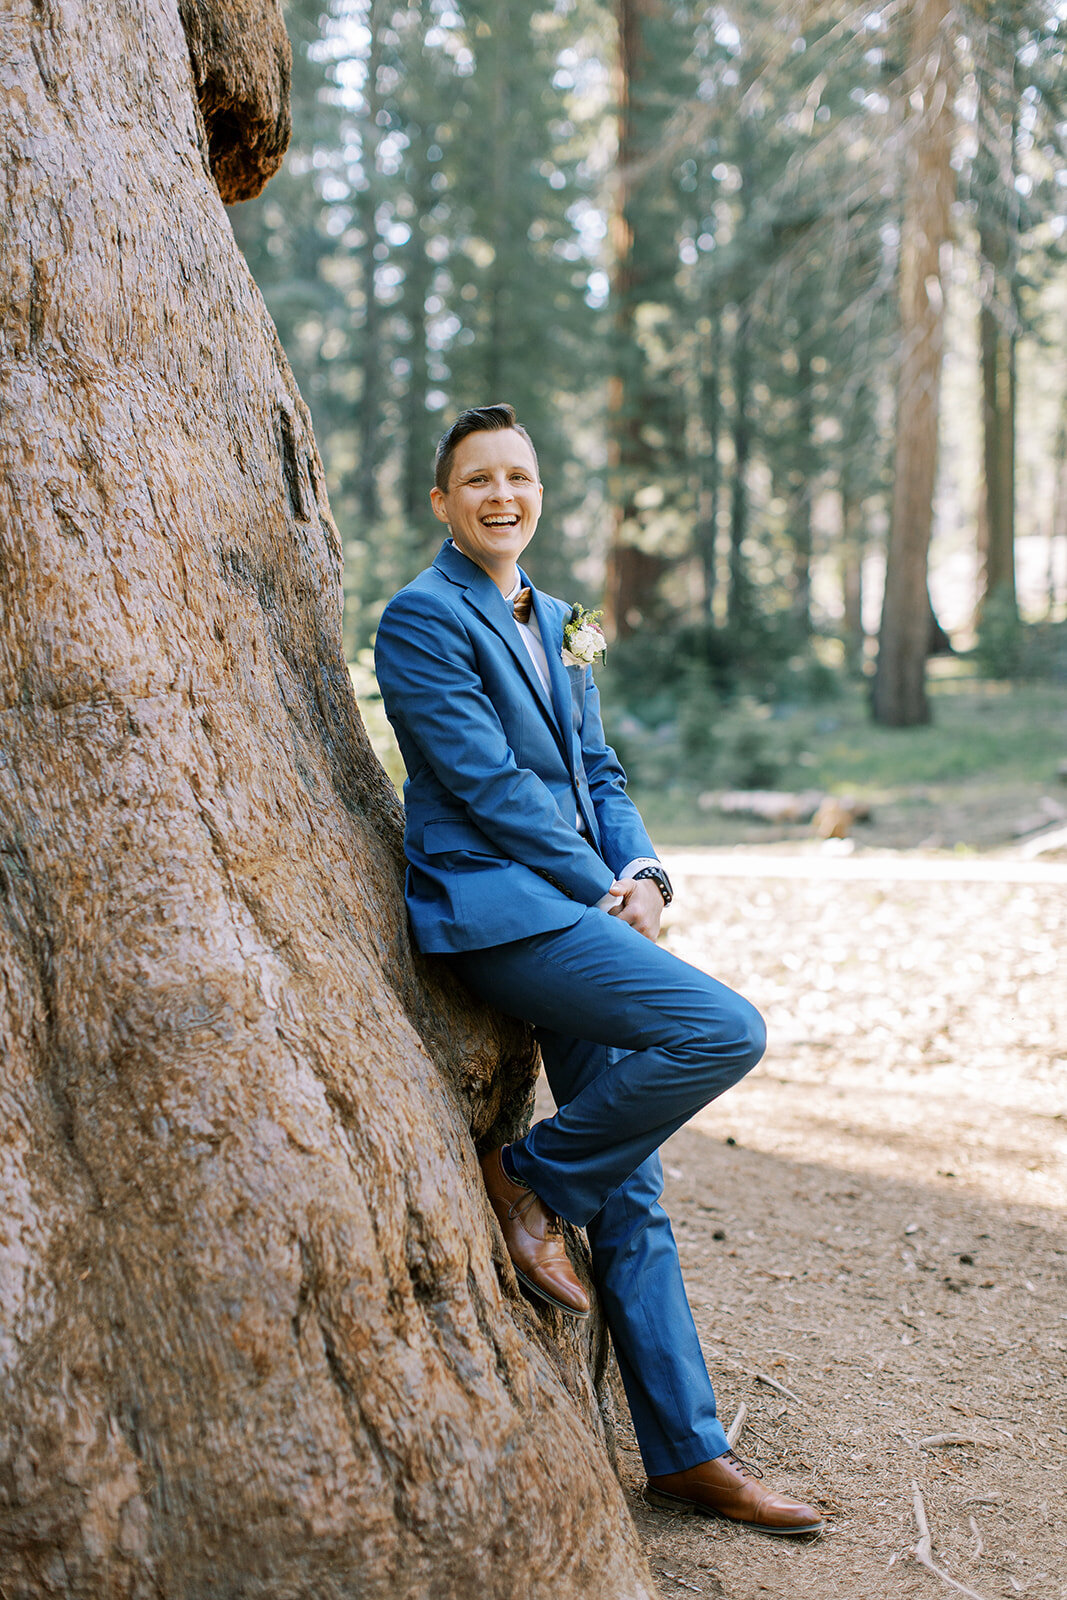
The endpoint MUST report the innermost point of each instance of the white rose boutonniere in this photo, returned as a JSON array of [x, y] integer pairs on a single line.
[[583, 638]]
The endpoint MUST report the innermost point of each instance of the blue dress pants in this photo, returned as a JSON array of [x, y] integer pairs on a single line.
[[635, 1042]]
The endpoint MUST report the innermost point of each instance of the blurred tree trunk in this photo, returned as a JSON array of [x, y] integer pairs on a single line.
[[852, 551], [418, 432], [739, 595], [1057, 525], [801, 482], [998, 201], [502, 61], [369, 414], [640, 432], [257, 1337], [899, 698], [710, 470], [997, 511]]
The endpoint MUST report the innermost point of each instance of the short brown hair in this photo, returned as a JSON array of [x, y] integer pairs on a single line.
[[478, 419]]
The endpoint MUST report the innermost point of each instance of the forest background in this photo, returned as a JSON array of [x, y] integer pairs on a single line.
[[777, 289]]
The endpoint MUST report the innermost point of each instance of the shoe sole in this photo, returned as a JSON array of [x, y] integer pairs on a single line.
[[671, 1502], [542, 1294]]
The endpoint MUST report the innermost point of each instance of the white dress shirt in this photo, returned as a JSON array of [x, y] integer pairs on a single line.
[[531, 638]]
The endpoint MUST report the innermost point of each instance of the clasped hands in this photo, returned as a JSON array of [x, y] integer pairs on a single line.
[[639, 903]]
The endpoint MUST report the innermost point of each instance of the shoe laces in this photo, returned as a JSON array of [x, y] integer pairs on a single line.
[[744, 1466], [519, 1208]]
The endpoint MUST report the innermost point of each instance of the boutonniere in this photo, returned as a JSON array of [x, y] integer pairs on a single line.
[[583, 638]]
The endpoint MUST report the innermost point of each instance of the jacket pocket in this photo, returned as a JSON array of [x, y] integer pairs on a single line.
[[445, 834]]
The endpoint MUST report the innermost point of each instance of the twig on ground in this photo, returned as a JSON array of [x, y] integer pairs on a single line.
[[923, 1551], [779, 1388], [733, 1432], [763, 1439], [673, 1576], [979, 1544], [934, 1440], [925, 1545]]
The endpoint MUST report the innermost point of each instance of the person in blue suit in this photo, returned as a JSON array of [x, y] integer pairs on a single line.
[[530, 870]]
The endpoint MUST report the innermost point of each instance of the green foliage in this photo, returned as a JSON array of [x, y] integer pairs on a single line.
[[451, 215], [1009, 648], [981, 730], [763, 655], [1001, 747], [751, 760], [715, 706], [999, 651]]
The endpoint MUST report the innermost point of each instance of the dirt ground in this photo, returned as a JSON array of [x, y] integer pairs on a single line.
[[872, 1225]]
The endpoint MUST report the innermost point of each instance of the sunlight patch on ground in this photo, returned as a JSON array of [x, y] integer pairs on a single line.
[[915, 1021]]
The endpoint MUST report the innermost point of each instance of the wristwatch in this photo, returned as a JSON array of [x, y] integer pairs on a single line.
[[660, 879]]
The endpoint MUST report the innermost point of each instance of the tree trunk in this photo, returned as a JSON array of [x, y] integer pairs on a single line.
[[998, 324], [852, 552], [417, 448], [369, 412], [633, 571], [899, 698], [739, 594], [802, 486], [1057, 525], [707, 530], [257, 1334], [996, 523]]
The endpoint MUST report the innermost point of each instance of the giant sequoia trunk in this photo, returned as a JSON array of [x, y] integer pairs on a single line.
[[256, 1337]]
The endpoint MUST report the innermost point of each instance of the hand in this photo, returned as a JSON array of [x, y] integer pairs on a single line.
[[639, 903]]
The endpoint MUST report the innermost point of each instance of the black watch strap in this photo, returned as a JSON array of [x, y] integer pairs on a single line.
[[660, 879]]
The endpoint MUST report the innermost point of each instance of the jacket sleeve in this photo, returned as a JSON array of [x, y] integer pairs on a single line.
[[623, 835], [427, 672]]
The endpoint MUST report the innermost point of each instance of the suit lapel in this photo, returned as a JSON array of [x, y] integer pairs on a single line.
[[557, 672], [482, 593], [497, 613], [552, 639]]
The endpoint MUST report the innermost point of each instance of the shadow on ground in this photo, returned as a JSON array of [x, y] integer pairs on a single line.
[[896, 1312]]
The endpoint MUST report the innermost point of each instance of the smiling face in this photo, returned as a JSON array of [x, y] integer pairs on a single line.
[[492, 502]]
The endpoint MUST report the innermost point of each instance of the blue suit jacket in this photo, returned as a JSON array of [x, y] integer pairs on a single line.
[[497, 770]]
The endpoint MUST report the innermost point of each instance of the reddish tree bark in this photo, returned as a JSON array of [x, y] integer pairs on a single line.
[[899, 697], [258, 1337]]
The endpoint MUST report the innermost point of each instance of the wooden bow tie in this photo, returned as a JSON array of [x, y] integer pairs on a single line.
[[522, 605]]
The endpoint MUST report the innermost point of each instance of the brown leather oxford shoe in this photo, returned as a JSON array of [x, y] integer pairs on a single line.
[[534, 1239], [727, 1487]]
